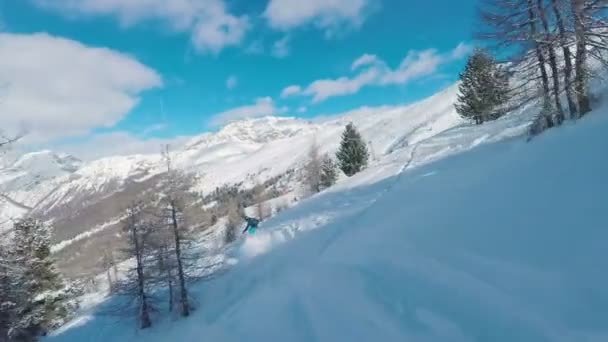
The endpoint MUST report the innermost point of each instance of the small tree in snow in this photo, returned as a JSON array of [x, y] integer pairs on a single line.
[[313, 170], [234, 219], [329, 174], [262, 211], [352, 155], [109, 264]]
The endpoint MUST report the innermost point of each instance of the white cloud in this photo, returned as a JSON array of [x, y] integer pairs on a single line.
[[374, 71], [280, 48], [328, 15], [211, 26], [58, 88], [462, 50], [302, 109], [415, 64], [321, 90], [118, 143], [232, 82], [291, 91], [365, 60], [263, 106]]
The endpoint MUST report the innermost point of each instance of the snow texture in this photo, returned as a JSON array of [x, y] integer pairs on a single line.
[[506, 242]]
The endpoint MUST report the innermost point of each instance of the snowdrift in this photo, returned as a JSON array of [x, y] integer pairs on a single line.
[[506, 242]]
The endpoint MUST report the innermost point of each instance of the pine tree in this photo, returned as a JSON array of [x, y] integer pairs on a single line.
[[484, 89], [352, 155], [9, 291], [329, 176], [40, 297]]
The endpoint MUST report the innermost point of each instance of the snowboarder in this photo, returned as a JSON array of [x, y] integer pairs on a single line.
[[252, 224]]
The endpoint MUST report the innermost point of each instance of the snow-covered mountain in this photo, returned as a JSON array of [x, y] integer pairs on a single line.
[[505, 242], [25, 180], [81, 198]]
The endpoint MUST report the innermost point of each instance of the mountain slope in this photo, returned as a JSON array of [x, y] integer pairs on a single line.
[[26, 179], [491, 245], [85, 205]]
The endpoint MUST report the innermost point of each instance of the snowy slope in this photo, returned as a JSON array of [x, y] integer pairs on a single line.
[[85, 204], [31, 169], [251, 150], [385, 129], [505, 242]]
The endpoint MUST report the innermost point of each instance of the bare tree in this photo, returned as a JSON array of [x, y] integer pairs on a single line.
[[233, 220], [109, 264], [176, 185], [512, 25], [547, 42], [164, 262], [564, 42], [313, 169], [138, 230], [531, 36], [262, 211], [580, 81]]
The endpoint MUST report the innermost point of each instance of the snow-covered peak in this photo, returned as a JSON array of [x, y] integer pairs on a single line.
[[43, 161], [119, 167], [26, 178], [253, 131], [37, 166], [266, 129]]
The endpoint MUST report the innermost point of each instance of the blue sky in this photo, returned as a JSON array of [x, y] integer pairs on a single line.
[[174, 69]]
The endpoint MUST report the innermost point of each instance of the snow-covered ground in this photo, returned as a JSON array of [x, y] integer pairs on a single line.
[[505, 242]]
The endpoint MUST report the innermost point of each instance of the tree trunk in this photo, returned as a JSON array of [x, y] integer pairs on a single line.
[[170, 285], [559, 116], [540, 57], [563, 40], [580, 81], [110, 282], [185, 306], [164, 269], [144, 315]]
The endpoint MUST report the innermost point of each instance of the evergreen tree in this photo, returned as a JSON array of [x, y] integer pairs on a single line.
[[484, 89], [40, 297], [352, 155], [329, 175], [8, 291]]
